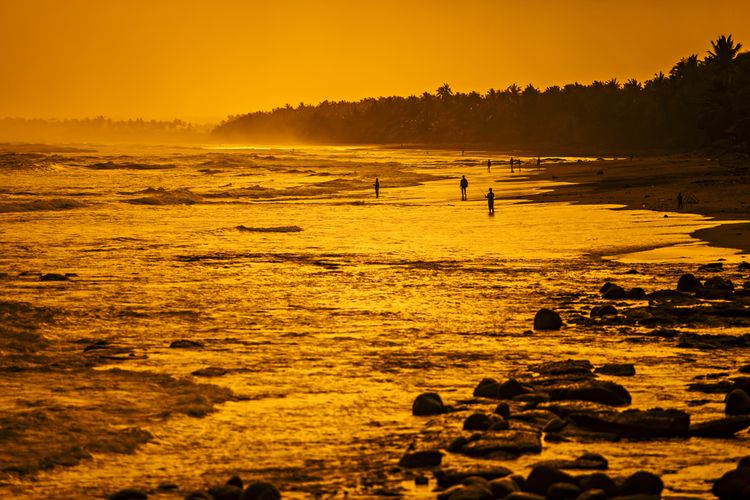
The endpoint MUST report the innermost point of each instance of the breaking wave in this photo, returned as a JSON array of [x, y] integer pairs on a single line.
[[110, 165], [163, 196]]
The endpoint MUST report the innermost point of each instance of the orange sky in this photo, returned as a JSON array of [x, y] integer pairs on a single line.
[[205, 59]]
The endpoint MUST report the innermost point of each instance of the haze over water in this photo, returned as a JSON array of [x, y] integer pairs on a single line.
[[327, 310]]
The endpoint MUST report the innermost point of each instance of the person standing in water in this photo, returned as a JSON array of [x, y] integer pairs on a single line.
[[377, 188], [490, 201], [679, 200], [464, 185], [511, 164], [489, 164]]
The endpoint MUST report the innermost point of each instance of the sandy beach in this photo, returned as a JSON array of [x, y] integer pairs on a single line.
[[715, 188]]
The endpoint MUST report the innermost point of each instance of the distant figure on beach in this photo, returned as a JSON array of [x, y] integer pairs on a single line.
[[631, 156], [538, 162], [679, 200], [464, 185], [511, 164], [489, 164], [377, 188], [490, 201], [519, 164]]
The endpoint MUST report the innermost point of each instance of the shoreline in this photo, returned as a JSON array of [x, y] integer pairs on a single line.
[[712, 188]]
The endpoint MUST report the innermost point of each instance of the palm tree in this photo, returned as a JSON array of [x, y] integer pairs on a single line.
[[724, 50], [444, 91]]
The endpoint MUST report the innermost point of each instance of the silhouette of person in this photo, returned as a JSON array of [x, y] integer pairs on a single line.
[[519, 164], [511, 164], [679, 200], [464, 185], [377, 188], [538, 162], [490, 201], [489, 164]]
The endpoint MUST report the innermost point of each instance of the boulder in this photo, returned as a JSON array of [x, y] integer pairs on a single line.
[[542, 477], [554, 425], [743, 266], [605, 310], [712, 267], [656, 423], [721, 428], [642, 483], [615, 292], [225, 492], [737, 402], [503, 487], [567, 367], [688, 283], [472, 492], [587, 461], [449, 476], [636, 293], [502, 409], [732, 484], [128, 494], [236, 481], [210, 371], [427, 403], [563, 491], [617, 369], [261, 490], [718, 283], [419, 459], [593, 494], [598, 391], [598, 481], [504, 444], [547, 319], [523, 495], [484, 421], [490, 388]]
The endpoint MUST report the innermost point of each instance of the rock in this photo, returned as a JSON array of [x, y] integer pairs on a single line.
[[563, 491], [654, 423], [128, 494], [708, 341], [737, 403], [598, 481], [587, 461], [721, 428], [605, 310], [507, 443], [484, 421], [744, 369], [636, 293], [522, 495], [185, 344], [614, 292], [688, 283], [542, 477], [502, 409], [199, 495], [503, 487], [617, 369], [473, 492], [718, 283], [593, 494], [419, 459], [732, 484], [225, 492], [57, 277], [554, 425], [211, 371], [427, 403], [261, 491], [712, 267], [606, 286], [449, 476], [743, 266], [642, 483], [547, 319], [490, 388], [632, 271], [598, 391], [421, 480], [236, 481], [567, 367]]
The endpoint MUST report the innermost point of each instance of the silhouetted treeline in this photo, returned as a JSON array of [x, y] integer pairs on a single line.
[[701, 102], [101, 129]]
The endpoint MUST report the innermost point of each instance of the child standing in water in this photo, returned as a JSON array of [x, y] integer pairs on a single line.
[[490, 201]]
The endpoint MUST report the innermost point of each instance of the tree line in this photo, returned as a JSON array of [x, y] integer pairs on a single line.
[[700, 103]]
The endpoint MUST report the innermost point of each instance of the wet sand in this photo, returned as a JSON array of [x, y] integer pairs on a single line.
[[713, 188]]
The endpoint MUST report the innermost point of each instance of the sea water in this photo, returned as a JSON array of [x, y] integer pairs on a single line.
[[324, 309]]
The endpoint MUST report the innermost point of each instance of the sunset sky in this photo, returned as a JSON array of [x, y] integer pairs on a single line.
[[202, 60]]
